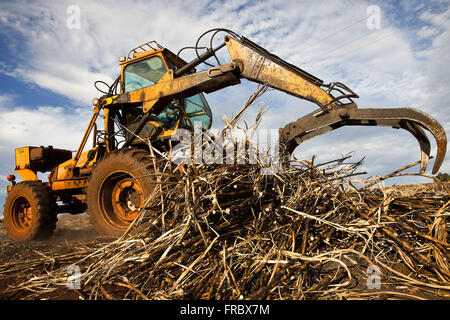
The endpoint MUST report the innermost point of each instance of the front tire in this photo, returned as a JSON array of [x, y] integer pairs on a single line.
[[118, 188], [29, 211]]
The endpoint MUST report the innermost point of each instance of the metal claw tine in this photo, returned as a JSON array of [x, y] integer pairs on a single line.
[[425, 146]]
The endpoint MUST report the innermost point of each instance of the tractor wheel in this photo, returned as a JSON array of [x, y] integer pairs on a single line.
[[29, 211], [118, 188]]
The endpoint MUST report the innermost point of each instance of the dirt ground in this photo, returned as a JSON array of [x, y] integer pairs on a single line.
[[72, 231]]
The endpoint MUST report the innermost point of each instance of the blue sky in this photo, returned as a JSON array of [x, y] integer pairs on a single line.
[[47, 70]]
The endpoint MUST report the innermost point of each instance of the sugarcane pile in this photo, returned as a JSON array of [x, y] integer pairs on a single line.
[[229, 232], [221, 231]]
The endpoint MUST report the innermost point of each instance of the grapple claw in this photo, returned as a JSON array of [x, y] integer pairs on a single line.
[[409, 119], [424, 143]]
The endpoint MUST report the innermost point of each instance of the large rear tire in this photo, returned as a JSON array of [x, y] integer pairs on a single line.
[[118, 188], [29, 211]]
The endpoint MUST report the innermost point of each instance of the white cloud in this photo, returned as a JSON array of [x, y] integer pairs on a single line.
[[43, 126], [427, 32], [6, 99]]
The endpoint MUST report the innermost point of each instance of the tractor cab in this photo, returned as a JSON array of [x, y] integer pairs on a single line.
[[144, 66]]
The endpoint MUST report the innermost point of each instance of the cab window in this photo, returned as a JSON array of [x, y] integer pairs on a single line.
[[197, 110], [144, 73]]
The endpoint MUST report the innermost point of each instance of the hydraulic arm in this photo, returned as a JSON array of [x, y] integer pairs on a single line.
[[250, 61]]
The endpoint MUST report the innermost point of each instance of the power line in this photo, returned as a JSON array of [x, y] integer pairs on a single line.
[[389, 34], [367, 45], [345, 44], [330, 35]]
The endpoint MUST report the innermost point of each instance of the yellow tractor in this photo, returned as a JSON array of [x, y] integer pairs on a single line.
[[156, 94]]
